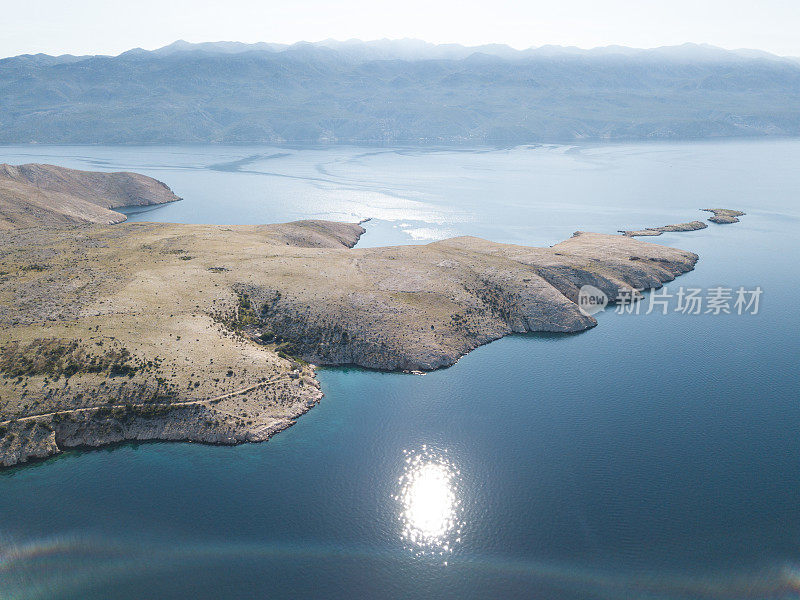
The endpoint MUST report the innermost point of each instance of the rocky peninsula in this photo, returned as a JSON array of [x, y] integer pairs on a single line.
[[36, 195], [144, 331]]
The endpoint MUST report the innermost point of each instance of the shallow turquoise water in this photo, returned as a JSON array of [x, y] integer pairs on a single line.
[[655, 456]]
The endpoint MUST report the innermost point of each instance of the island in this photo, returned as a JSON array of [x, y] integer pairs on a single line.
[[653, 231], [724, 216], [210, 333]]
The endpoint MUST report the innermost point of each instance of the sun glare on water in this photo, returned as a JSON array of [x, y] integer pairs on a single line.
[[429, 503]]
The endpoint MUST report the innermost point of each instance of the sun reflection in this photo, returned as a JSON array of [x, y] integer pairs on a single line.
[[429, 502]]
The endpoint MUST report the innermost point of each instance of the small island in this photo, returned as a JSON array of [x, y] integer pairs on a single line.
[[653, 231], [724, 216], [721, 216], [156, 331]]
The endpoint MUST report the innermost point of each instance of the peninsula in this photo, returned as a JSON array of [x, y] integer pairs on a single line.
[[48, 196], [145, 331]]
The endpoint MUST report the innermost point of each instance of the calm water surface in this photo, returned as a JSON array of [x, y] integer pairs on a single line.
[[655, 456]]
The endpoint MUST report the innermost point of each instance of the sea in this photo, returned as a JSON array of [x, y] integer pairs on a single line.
[[656, 456]]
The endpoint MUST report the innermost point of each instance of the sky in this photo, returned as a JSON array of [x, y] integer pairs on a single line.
[[113, 26]]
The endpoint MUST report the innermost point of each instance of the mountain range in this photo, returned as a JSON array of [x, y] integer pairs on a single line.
[[396, 91]]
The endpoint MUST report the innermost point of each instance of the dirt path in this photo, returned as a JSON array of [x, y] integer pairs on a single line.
[[73, 411]]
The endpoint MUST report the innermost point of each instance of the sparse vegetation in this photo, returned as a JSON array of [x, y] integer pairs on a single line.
[[35, 267], [56, 358], [243, 315]]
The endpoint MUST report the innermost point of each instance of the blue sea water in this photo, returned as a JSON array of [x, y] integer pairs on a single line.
[[654, 456]]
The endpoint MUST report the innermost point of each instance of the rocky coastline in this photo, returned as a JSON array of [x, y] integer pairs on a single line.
[[151, 331]]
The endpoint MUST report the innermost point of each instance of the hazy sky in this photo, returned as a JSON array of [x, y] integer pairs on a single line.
[[112, 26]]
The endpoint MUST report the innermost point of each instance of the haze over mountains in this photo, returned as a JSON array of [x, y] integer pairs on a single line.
[[396, 91]]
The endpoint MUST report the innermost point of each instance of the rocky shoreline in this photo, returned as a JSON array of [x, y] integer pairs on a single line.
[[41, 437]]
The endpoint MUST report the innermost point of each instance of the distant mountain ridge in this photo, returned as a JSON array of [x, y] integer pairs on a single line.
[[413, 49], [396, 91]]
